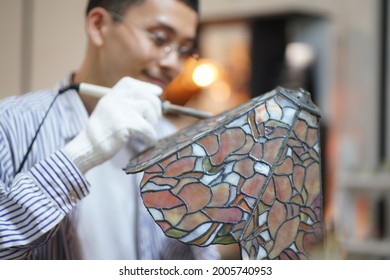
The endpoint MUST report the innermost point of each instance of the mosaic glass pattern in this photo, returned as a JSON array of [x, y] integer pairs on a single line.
[[249, 175]]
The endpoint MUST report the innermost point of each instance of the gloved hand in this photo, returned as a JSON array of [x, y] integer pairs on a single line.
[[131, 108]]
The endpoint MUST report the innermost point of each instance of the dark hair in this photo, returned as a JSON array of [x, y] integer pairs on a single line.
[[120, 6]]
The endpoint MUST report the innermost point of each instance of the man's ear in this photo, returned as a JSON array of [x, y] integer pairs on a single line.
[[96, 22]]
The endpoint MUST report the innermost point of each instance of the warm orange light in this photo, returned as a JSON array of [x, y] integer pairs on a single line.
[[205, 74]]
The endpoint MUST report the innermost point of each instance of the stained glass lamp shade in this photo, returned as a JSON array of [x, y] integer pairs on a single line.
[[250, 175]]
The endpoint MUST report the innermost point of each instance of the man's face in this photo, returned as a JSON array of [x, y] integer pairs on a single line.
[[144, 44]]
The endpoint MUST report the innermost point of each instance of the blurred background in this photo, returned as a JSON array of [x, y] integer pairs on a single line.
[[336, 49]]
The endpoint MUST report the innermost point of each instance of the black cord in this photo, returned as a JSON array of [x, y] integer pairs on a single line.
[[60, 91]]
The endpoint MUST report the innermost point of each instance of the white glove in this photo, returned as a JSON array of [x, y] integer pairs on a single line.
[[132, 107]]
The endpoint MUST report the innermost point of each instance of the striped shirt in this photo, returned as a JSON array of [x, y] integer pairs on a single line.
[[38, 206]]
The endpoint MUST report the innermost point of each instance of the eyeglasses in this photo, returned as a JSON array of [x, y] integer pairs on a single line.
[[161, 40]]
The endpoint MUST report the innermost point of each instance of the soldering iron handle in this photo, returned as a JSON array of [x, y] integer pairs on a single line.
[[167, 107]]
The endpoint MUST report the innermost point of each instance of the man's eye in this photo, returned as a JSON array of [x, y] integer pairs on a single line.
[[160, 38], [185, 51]]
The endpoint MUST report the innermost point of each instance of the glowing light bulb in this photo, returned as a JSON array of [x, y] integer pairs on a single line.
[[205, 74], [299, 55]]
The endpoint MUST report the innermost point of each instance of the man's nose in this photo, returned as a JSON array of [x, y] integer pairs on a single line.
[[173, 62]]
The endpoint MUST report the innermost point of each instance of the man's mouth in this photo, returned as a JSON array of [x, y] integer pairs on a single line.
[[156, 79]]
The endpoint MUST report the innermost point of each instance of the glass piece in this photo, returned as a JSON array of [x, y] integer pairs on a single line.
[[293, 248], [191, 221], [209, 237], [262, 168], [174, 216], [253, 125], [273, 109], [269, 194], [147, 177], [164, 182], [233, 179], [220, 195], [244, 167], [244, 206], [289, 115], [268, 246], [175, 233], [312, 184], [246, 148], [286, 168], [261, 128], [198, 232], [224, 240], [261, 114], [306, 156], [233, 194], [155, 187], [300, 130], [183, 182], [288, 255], [155, 169], [261, 254], [207, 166], [237, 229], [224, 215], [285, 236], [210, 144], [198, 151], [308, 162], [299, 241], [250, 226], [247, 129], [195, 190], [156, 214], [293, 210], [238, 198], [166, 162], [160, 199], [272, 148], [298, 177], [207, 179], [317, 148], [164, 225], [265, 235], [297, 199], [180, 166], [279, 132], [199, 165], [283, 188], [230, 141], [257, 151], [253, 186], [312, 138], [225, 230], [277, 215], [187, 151], [314, 155], [211, 169]]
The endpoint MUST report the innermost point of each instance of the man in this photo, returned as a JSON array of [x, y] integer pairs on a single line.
[[70, 199]]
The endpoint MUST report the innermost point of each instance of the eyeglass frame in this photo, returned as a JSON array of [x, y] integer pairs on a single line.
[[167, 49]]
